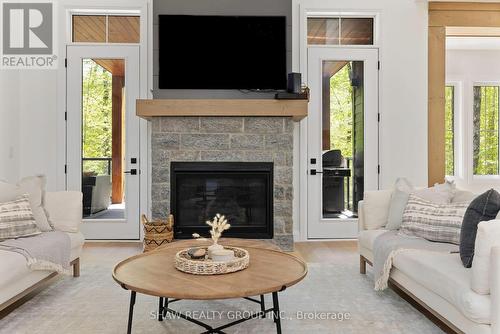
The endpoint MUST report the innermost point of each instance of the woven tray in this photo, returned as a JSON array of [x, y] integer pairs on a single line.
[[206, 266]]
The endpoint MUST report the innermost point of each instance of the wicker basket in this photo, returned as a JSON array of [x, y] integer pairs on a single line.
[[157, 232], [183, 262]]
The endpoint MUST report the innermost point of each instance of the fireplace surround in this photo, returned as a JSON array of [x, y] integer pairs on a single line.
[[242, 191], [206, 139]]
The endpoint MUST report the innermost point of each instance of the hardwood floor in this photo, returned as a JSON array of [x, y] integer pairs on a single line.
[[310, 252]]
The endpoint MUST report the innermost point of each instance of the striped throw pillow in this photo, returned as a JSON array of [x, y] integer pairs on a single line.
[[16, 219], [433, 221]]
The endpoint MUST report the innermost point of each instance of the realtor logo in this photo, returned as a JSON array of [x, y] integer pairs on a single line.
[[28, 35]]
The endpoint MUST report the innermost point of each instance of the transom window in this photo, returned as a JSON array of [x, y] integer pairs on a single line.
[[340, 31], [105, 29]]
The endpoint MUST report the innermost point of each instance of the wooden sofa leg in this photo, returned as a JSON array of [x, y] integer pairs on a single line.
[[362, 265], [76, 267]]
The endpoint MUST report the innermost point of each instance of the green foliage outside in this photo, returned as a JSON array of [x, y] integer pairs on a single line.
[[96, 127], [485, 130], [341, 117], [449, 126]]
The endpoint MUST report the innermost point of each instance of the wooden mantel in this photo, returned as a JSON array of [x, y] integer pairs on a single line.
[[297, 109]]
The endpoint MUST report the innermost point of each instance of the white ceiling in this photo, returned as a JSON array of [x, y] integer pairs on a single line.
[[472, 43]]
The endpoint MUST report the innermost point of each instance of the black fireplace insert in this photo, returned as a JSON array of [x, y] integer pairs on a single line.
[[242, 191]]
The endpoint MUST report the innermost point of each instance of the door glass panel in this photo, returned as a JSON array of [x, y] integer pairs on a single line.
[[103, 138], [342, 138]]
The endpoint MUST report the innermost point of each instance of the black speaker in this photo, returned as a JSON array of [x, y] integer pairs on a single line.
[[294, 84]]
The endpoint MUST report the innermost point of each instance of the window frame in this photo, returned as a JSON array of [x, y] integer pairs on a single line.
[[458, 131], [107, 13], [472, 177], [349, 15]]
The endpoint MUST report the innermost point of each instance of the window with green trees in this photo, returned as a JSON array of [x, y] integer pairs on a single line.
[[449, 130], [96, 117], [485, 130]]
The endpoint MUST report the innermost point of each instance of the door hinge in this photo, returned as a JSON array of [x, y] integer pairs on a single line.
[[378, 169], [65, 62], [65, 169], [378, 117], [378, 65], [65, 115]]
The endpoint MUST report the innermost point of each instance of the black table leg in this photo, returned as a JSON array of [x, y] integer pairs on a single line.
[[160, 309], [276, 312], [131, 312], [165, 307], [262, 306]]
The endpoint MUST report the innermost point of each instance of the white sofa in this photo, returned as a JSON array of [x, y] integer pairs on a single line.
[[439, 283], [16, 279]]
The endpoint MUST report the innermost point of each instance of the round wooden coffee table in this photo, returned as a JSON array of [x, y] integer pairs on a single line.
[[153, 273]]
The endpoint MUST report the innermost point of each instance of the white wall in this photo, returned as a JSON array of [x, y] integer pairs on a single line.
[[466, 67], [38, 140], [402, 82], [9, 125]]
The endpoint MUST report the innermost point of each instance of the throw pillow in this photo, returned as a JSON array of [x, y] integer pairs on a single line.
[[376, 204], [482, 208], [463, 196], [439, 193], [399, 199], [34, 187], [488, 236], [433, 221], [16, 219]]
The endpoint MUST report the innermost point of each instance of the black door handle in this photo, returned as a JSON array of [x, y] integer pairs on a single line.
[[314, 172], [131, 172]]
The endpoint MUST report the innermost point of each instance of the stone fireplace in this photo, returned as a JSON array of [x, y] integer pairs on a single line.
[[246, 141]]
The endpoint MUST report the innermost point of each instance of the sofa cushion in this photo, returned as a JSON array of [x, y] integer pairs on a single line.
[[488, 236], [64, 209], [367, 237], [482, 208], [432, 221], [443, 274], [16, 219], [376, 206]]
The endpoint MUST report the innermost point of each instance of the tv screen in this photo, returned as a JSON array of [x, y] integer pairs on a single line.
[[222, 52]]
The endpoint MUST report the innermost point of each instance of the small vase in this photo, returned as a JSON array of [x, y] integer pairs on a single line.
[[214, 247]]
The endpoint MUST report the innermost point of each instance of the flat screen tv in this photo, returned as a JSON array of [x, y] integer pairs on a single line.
[[222, 52]]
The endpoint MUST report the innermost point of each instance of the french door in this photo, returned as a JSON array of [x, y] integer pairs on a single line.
[[103, 138], [342, 137]]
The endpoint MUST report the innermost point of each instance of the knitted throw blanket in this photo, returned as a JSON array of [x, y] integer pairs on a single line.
[[46, 251], [387, 245]]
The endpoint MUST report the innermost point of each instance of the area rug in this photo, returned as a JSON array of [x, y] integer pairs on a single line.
[[334, 298]]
